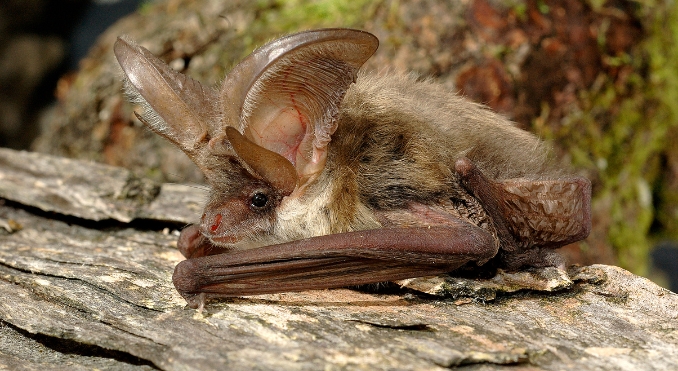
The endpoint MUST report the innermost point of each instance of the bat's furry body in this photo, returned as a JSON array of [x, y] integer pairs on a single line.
[[396, 143], [318, 156]]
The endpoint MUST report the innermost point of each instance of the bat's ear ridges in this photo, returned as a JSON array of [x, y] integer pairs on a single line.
[[286, 95]]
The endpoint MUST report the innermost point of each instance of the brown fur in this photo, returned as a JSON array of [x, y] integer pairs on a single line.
[[398, 139]]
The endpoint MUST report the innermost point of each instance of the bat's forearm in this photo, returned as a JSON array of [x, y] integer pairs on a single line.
[[334, 261]]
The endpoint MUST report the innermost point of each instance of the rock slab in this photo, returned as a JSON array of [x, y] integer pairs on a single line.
[[86, 283]]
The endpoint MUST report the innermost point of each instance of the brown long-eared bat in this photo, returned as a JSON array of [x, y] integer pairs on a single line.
[[324, 177]]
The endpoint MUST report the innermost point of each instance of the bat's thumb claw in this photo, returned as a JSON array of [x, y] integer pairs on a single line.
[[473, 179], [464, 167]]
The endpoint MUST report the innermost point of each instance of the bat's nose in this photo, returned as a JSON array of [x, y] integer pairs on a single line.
[[213, 222]]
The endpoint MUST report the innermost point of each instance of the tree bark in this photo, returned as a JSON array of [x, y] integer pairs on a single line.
[[86, 283]]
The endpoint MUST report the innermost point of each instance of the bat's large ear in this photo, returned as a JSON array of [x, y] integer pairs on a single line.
[[286, 95], [175, 106]]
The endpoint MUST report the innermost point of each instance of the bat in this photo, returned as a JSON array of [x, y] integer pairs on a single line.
[[323, 176]]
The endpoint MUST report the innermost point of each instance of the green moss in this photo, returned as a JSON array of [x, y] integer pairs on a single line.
[[275, 18], [664, 65], [146, 7], [286, 16], [543, 7], [621, 132]]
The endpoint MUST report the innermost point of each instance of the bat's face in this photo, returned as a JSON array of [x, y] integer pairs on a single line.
[[234, 215], [263, 138]]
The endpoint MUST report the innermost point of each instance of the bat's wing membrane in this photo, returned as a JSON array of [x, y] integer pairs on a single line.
[[532, 213], [548, 213]]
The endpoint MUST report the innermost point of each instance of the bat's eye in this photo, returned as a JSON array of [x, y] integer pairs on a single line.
[[259, 200]]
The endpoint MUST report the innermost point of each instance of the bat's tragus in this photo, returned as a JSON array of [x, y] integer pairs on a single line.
[[325, 177]]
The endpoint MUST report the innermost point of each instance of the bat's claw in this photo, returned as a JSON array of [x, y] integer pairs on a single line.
[[464, 167], [195, 301]]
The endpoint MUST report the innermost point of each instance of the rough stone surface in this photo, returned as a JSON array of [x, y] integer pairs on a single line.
[[76, 293], [93, 191]]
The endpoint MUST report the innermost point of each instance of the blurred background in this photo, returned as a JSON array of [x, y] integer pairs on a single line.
[[597, 79], [40, 41]]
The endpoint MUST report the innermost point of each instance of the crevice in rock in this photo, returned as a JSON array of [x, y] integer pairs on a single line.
[[72, 347]]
